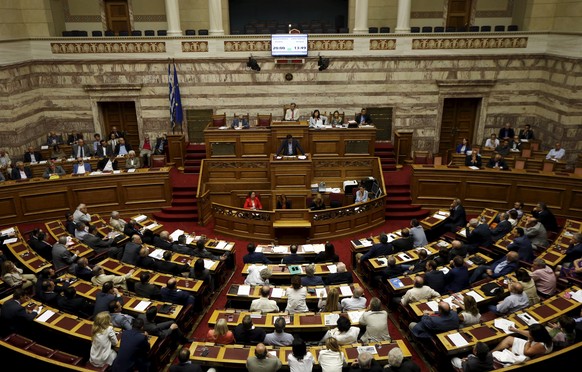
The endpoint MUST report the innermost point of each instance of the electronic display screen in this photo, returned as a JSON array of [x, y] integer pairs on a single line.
[[289, 45]]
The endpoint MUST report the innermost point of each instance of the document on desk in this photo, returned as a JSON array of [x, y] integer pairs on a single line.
[[366, 242], [332, 268], [331, 319], [320, 292], [157, 253], [438, 216], [367, 349], [152, 226], [433, 305], [355, 316], [243, 290], [221, 244], [577, 295], [45, 316], [404, 257], [142, 305], [277, 292], [504, 325], [318, 248], [396, 283], [7, 231], [281, 249], [444, 269], [141, 218], [10, 241], [458, 340], [476, 296], [208, 263], [473, 167], [307, 248], [382, 261], [346, 290], [462, 232], [528, 319]]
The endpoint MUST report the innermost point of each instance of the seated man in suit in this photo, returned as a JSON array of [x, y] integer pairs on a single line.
[[503, 227], [474, 159], [108, 164], [522, 245], [404, 243], [132, 161], [433, 323], [54, 139], [116, 221], [20, 172], [146, 289], [74, 137], [341, 276], [81, 150], [379, 249], [457, 217], [293, 258], [240, 122], [53, 169], [363, 117], [80, 167], [161, 145], [104, 150], [165, 265], [170, 293], [253, 256], [292, 113], [497, 162], [290, 146], [32, 156], [122, 147], [479, 236], [503, 266], [132, 228]]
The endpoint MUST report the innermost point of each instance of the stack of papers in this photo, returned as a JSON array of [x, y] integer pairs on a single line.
[[141, 218], [142, 305], [320, 292], [176, 234], [10, 241], [438, 216], [528, 319], [151, 226], [346, 290], [332, 268], [503, 324], [157, 253], [7, 231], [45, 316], [277, 293], [307, 248], [366, 242], [331, 319], [476, 296], [355, 316], [576, 295], [243, 290], [458, 340], [208, 263], [318, 248], [367, 349], [433, 305], [281, 249], [221, 244]]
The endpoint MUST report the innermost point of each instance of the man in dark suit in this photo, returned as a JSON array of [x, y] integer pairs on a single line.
[[96, 242], [293, 258], [181, 247], [108, 164], [74, 137], [246, 333], [255, 257], [457, 278], [545, 216], [81, 150], [506, 132], [432, 323], [131, 250], [404, 243], [522, 245], [478, 236], [341, 276], [163, 329], [80, 167], [526, 133], [102, 299], [161, 145], [457, 217], [240, 122], [166, 265], [39, 245], [290, 146], [163, 240], [32, 156], [379, 249], [15, 317], [363, 117], [116, 132], [73, 304], [132, 228], [20, 172], [503, 266], [122, 147], [134, 348], [458, 249], [503, 227], [434, 278], [169, 293], [103, 150], [185, 364], [146, 289]]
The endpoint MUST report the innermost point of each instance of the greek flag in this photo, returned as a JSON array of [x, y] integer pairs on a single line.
[[176, 112]]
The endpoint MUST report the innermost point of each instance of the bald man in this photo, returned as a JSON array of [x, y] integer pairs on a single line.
[[341, 276], [262, 361], [516, 300], [356, 302], [433, 323], [503, 266], [419, 292]]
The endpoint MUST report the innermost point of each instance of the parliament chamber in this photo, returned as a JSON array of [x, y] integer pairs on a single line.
[[419, 86]]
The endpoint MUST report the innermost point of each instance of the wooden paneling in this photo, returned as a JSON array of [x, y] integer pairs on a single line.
[[39, 199], [435, 187]]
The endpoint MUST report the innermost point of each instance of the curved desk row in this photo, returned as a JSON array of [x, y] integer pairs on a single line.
[[37, 199], [435, 187]]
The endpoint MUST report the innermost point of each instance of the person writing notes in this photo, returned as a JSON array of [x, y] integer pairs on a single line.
[[252, 202], [316, 120], [292, 114], [240, 123], [290, 147]]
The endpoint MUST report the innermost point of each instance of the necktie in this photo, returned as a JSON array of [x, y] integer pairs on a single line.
[[292, 114]]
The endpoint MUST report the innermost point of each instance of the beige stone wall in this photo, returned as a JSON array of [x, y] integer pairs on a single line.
[[537, 90], [568, 16], [194, 14], [382, 13], [21, 19], [539, 14]]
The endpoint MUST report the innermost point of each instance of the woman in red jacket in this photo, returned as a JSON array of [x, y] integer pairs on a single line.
[[253, 202]]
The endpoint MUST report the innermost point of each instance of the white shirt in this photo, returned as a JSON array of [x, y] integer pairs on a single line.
[[254, 276], [304, 365], [331, 361], [490, 143], [296, 300], [317, 123], [292, 114], [351, 303], [345, 338], [556, 154], [23, 175], [32, 158], [81, 169], [108, 167], [122, 150], [101, 351]]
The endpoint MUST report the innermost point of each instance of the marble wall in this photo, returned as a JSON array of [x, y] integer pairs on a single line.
[[535, 89]]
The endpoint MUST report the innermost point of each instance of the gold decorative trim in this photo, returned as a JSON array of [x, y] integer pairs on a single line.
[[337, 44], [472, 43], [108, 47], [195, 46], [247, 45], [382, 44]]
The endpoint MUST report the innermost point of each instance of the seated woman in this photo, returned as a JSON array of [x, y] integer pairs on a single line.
[[361, 195], [468, 311], [539, 342], [316, 120], [463, 147], [344, 333], [317, 204], [336, 119], [283, 202], [296, 295], [220, 334], [331, 303], [252, 202], [57, 153]]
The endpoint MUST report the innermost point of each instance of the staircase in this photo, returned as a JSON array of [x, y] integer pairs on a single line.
[[193, 158], [398, 199], [184, 203], [385, 151]]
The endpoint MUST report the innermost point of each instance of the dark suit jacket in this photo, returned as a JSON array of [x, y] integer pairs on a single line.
[[74, 138], [284, 148], [367, 119], [500, 230], [131, 253], [506, 133], [87, 151], [523, 247], [436, 280], [159, 149], [76, 305], [254, 336], [480, 236], [244, 124], [509, 268], [118, 146], [338, 278], [293, 259], [102, 301], [477, 163], [147, 290], [378, 249], [457, 279], [133, 352], [186, 367], [96, 242], [529, 135], [15, 318], [37, 155], [176, 297], [16, 173], [547, 219], [256, 257], [169, 267], [458, 217], [103, 162], [502, 164], [403, 244], [104, 153], [44, 249], [161, 243], [130, 231], [430, 325]]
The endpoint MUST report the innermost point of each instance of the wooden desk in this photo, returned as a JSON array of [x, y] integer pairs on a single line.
[[436, 186], [39, 168], [545, 311], [25, 254], [556, 252], [42, 200], [289, 172], [235, 356], [281, 271], [277, 252]]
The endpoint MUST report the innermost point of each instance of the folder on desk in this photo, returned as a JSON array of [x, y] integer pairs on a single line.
[[295, 269], [396, 283]]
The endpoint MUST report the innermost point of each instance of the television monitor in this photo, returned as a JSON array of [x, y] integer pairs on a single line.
[[289, 45]]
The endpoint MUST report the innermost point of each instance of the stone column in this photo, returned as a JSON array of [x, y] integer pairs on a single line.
[[403, 20], [215, 17], [361, 17], [173, 18]]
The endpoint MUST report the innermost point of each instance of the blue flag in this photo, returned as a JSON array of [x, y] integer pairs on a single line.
[[176, 112]]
